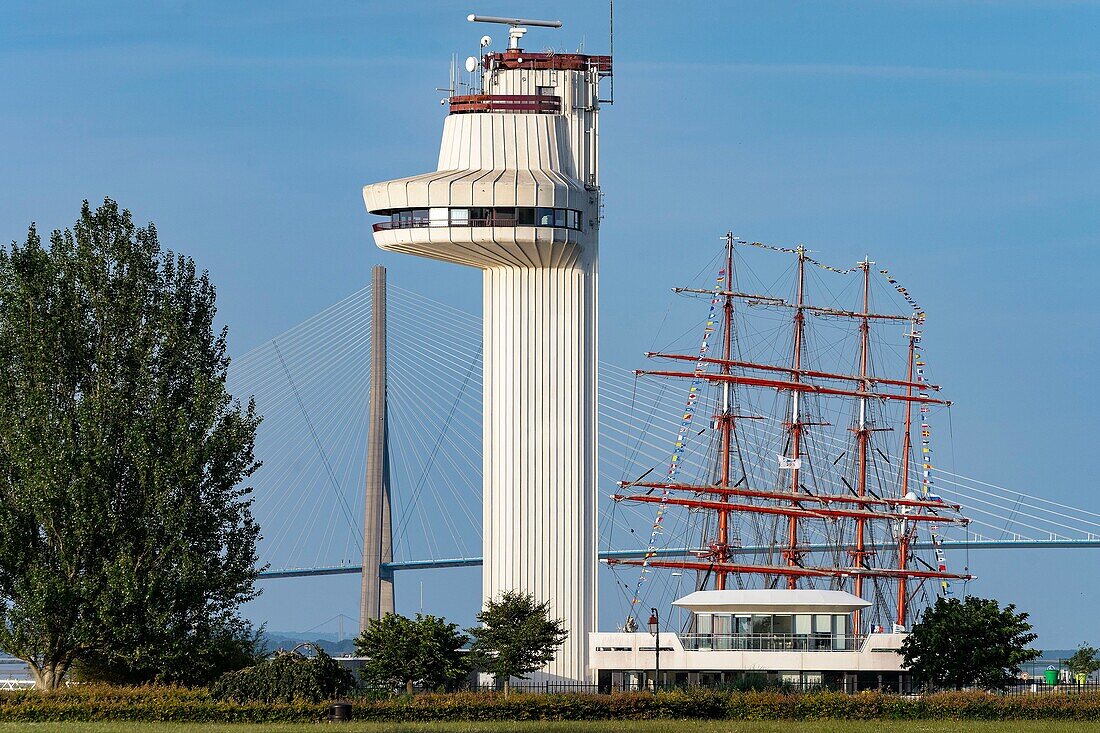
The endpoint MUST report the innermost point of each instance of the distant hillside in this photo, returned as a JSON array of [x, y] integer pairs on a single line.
[[276, 640]]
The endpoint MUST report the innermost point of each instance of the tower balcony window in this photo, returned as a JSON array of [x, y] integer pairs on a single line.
[[482, 216]]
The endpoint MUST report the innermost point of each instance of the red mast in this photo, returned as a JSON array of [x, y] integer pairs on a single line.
[[791, 555], [907, 446], [725, 421], [863, 435]]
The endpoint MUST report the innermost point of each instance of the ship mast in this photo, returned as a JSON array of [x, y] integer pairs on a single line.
[[863, 435], [725, 418], [907, 446], [792, 555]]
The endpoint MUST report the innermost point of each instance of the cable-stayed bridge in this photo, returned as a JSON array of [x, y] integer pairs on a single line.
[[311, 384]]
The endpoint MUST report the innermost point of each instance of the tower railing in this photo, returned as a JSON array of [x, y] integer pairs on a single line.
[[514, 103]]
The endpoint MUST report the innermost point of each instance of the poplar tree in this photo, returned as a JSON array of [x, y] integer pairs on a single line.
[[127, 541]]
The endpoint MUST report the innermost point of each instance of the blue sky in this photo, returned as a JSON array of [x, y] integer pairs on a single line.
[[955, 142]]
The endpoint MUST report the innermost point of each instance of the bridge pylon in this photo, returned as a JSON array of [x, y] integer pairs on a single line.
[[376, 593]]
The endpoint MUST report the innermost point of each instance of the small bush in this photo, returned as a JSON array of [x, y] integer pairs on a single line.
[[287, 677]]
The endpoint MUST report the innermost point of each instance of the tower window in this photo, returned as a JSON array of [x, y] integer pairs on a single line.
[[525, 216], [483, 216]]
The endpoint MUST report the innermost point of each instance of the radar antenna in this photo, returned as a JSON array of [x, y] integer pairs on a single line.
[[515, 32]]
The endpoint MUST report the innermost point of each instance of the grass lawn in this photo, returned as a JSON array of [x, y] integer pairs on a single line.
[[626, 726]]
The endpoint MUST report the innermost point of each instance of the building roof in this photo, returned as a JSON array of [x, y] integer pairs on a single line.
[[771, 601]]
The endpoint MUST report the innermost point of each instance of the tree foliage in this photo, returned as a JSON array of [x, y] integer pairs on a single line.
[[1084, 661], [401, 652], [516, 636], [287, 677], [126, 540], [967, 643]]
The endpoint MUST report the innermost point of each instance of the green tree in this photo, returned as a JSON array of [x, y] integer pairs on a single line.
[[973, 642], [126, 539], [400, 652], [516, 637], [1083, 661]]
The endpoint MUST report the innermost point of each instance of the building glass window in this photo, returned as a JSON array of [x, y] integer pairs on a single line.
[[786, 631], [762, 624], [481, 216], [840, 631], [723, 626]]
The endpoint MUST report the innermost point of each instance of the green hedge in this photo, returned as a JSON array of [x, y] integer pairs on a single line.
[[178, 704], [732, 706], [146, 704]]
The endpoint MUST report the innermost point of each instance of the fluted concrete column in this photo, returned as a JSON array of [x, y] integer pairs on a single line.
[[539, 528]]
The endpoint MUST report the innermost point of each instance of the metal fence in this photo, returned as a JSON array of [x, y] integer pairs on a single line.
[[541, 687], [1040, 687], [758, 682], [770, 642]]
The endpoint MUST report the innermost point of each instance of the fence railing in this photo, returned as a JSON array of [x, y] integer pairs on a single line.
[[1040, 687], [420, 223], [541, 687], [514, 103], [771, 642], [1020, 687]]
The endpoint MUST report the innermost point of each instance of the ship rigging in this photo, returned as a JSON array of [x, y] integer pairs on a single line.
[[791, 492]]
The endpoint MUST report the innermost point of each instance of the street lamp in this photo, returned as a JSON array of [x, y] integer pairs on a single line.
[[655, 629]]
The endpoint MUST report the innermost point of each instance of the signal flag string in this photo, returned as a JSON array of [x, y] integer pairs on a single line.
[[681, 436], [927, 491]]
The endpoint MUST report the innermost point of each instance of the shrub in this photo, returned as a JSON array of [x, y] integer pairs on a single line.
[[165, 703], [287, 677]]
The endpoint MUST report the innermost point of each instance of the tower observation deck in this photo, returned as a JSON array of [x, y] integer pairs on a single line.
[[516, 194]]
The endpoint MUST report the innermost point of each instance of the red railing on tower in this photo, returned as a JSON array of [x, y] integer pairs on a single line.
[[522, 103], [520, 59]]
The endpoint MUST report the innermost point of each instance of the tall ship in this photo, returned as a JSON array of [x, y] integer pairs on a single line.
[[797, 499]]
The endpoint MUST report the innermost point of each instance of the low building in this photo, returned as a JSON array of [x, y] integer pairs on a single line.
[[801, 637]]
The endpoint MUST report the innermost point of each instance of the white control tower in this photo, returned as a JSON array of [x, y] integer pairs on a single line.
[[516, 194]]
